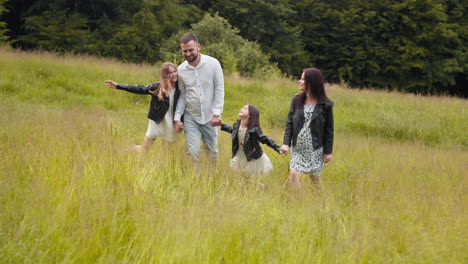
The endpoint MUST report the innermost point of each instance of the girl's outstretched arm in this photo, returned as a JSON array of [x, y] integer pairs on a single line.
[[110, 84], [226, 128], [137, 88], [268, 141]]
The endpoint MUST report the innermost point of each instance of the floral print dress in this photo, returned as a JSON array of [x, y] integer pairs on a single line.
[[304, 158]]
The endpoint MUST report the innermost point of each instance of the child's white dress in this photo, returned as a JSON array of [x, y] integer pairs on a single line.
[[239, 163], [165, 129]]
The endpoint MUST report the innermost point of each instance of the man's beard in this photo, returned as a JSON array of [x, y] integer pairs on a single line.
[[193, 59]]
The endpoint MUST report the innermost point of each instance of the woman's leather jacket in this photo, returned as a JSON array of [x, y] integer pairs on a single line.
[[321, 125]]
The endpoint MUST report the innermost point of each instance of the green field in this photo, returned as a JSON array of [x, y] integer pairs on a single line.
[[72, 192]]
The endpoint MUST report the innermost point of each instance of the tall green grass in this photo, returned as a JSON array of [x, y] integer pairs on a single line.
[[71, 191], [71, 81]]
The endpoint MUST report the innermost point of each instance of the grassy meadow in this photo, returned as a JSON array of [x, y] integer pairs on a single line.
[[71, 191]]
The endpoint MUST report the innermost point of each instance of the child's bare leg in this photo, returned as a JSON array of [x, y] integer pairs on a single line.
[[260, 178], [147, 142]]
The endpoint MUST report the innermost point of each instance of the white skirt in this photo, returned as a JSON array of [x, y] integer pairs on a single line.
[[165, 129], [261, 165]]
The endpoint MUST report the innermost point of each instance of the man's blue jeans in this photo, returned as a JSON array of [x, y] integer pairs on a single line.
[[209, 135]]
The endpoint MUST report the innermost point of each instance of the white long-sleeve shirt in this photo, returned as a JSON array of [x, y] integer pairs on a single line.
[[201, 89]]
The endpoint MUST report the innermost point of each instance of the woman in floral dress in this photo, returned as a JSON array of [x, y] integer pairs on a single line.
[[309, 129]]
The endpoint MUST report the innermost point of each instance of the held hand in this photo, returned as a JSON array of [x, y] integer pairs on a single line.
[[285, 150], [216, 121], [111, 84], [179, 126], [327, 157]]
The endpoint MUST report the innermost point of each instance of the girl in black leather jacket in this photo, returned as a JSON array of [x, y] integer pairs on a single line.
[[247, 155], [164, 96]]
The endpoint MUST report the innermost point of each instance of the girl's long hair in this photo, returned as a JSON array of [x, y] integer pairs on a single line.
[[314, 86], [254, 118], [165, 84]]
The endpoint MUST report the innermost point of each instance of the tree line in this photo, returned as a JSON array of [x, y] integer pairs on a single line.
[[416, 46]]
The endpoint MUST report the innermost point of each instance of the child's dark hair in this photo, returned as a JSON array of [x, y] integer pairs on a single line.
[[254, 118]]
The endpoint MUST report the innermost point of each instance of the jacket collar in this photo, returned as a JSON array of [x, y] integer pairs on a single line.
[[236, 126], [322, 101], [319, 101], [317, 110]]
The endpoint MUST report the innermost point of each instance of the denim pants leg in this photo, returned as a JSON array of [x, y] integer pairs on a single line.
[[193, 131], [210, 139]]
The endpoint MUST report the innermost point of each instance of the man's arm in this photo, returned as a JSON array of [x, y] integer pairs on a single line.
[[181, 102], [218, 82], [218, 100], [180, 108]]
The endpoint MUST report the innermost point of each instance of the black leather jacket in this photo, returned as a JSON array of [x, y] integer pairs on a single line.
[[158, 109], [321, 125], [252, 148]]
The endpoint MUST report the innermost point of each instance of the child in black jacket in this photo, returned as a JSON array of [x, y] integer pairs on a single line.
[[164, 96], [247, 155]]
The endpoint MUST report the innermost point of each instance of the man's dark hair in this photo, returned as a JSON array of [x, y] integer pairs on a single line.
[[186, 38]]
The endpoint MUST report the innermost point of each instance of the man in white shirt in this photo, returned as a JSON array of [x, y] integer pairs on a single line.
[[201, 84]]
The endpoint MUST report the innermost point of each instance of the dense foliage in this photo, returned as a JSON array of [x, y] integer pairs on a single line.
[[221, 40], [408, 45], [2, 23]]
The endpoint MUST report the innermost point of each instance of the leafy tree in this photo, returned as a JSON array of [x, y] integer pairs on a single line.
[[140, 38], [202, 4], [410, 45], [273, 25], [457, 11], [420, 43], [222, 41], [56, 30], [129, 30], [3, 30], [406, 45]]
